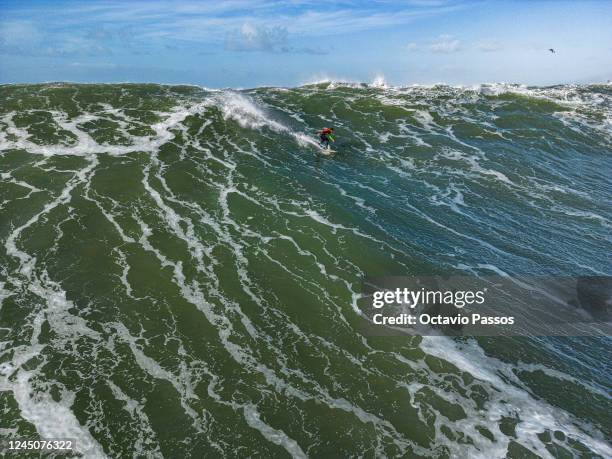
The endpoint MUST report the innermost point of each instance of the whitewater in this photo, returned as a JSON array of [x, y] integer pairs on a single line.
[[180, 267]]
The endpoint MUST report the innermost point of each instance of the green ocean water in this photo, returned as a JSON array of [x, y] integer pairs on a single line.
[[179, 268]]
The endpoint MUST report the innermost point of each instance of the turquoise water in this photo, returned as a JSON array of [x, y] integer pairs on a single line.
[[179, 267]]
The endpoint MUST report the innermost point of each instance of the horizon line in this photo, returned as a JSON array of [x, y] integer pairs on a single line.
[[352, 83]]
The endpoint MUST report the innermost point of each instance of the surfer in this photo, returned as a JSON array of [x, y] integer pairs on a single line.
[[325, 135]]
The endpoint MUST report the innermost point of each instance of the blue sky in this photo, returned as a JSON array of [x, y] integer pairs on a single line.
[[245, 43]]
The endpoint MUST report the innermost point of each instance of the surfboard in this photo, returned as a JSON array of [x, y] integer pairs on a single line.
[[327, 151]]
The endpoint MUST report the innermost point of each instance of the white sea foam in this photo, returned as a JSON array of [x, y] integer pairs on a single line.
[[244, 111], [51, 419], [379, 81], [275, 436], [146, 443], [509, 397]]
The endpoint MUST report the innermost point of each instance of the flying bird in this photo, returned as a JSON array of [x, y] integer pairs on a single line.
[[551, 50]]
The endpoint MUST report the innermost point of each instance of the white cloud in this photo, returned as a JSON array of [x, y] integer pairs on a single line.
[[16, 35], [94, 65], [30, 39], [412, 46], [252, 37], [210, 20], [446, 44], [490, 46]]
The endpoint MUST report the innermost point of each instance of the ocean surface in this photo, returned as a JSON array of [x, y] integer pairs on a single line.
[[179, 268]]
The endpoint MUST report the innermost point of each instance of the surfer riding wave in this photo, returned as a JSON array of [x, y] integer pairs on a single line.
[[325, 135]]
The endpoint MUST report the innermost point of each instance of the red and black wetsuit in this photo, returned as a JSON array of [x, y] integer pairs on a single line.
[[324, 135]]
